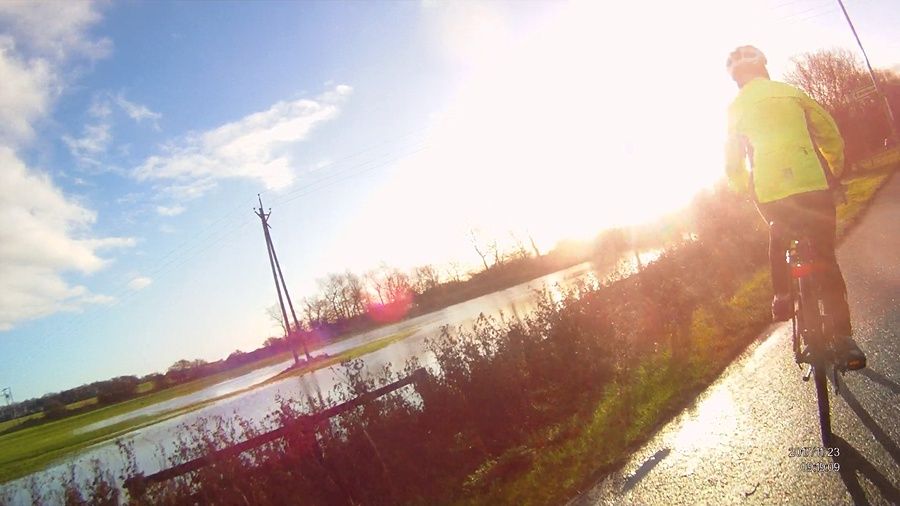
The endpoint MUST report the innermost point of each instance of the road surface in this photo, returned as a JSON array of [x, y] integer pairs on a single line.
[[733, 446]]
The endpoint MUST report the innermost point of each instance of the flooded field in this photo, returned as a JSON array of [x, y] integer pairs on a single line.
[[153, 441]]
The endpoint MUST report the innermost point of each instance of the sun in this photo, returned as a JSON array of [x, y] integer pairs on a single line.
[[578, 127]]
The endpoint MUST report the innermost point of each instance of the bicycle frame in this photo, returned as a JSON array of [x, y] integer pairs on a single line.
[[812, 326]]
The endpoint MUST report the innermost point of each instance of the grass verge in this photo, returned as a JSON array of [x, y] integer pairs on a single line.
[[530, 412], [568, 457]]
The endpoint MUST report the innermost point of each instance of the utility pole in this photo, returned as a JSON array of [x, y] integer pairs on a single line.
[[276, 274], [8, 397], [887, 104]]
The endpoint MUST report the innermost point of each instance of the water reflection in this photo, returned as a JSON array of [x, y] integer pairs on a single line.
[[151, 441]]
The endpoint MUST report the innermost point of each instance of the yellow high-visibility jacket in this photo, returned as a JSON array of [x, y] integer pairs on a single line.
[[778, 127]]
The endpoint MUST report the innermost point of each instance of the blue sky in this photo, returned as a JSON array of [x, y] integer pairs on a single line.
[[136, 135]]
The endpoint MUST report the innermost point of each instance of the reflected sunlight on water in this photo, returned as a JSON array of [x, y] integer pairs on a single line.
[[256, 403]]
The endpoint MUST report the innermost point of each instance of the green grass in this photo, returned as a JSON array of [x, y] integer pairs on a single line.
[[567, 458], [552, 465], [145, 387], [352, 353], [29, 450], [882, 160], [859, 191], [178, 390], [9, 424], [32, 449], [82, 404], [152, 398], [18, 421]]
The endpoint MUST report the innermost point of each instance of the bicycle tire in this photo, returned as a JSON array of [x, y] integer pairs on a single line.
[[813, 323], [821, 381]]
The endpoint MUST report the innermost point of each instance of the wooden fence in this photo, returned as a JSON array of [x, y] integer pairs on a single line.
[[307, 424]]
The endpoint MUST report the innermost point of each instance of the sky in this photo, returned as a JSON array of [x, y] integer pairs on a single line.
[[135, 137]]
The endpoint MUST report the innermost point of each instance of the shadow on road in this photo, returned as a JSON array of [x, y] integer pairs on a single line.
[[852, 462], [880, 379], [883, 438], [645, 469]]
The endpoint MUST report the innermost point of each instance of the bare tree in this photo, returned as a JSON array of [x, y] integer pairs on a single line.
[[331, 291], [831, 77], [316, 311], [495, 250], [425, 278], [537, 252], [454, 271], [376, 283], [519, 250], [354, 294], [473, 236], [274, 314], [397, 285]]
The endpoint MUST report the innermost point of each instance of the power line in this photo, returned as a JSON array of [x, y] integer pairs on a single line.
[[228, 219], [887, 104], [820, 14], [277, 274], [223, 228], [362, 168], [791, 2], [806, 15]]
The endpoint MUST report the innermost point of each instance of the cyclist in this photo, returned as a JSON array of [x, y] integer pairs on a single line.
[[795, 154]]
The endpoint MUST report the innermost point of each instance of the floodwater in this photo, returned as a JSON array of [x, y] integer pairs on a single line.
[[153, 441]]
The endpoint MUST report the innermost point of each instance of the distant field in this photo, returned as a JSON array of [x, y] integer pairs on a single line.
[[16, 421], [144, 387], [29, 450], [34, 416]]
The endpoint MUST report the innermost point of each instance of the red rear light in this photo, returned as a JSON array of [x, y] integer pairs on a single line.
[[801, 270]]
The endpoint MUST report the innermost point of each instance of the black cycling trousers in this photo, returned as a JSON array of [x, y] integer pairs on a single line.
[[811, 214]]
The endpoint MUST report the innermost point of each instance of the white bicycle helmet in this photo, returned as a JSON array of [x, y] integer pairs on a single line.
[[745, 56]]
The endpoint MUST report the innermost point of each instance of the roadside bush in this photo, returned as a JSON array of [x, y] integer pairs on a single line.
[[54, 409], [497, 387], [117, 389]]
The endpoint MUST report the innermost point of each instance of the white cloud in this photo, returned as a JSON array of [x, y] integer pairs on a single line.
[[37, 40], [99, 109], [25, 93], [111, 243], [93, 142], [170, 210], [43, 235], [129, 198], [254, 147], [139, 283], [96, 137], [54, 30], [138, 112]]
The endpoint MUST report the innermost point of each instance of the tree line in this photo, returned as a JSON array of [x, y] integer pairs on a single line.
[[833, 77], [348, 302]]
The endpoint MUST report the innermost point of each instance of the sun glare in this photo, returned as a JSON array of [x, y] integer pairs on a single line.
[[579, 126], [596, 116]]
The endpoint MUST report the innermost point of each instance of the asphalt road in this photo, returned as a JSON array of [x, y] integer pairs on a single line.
[[734, 445]]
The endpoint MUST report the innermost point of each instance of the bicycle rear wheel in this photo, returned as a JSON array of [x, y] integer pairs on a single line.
[[814, 335], [821, 381]]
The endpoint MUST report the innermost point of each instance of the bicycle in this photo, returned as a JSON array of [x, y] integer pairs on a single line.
[[813, 330]]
